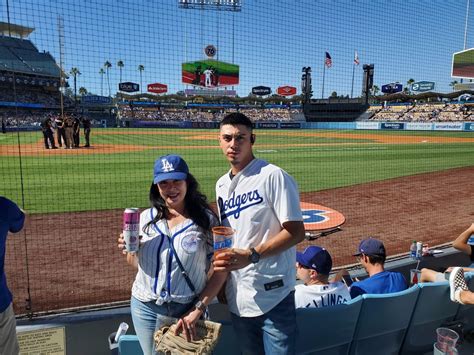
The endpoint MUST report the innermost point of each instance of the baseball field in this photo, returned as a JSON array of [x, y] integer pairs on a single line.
[[397, 185]]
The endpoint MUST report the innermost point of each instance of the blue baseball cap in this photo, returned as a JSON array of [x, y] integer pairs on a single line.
[[371, 246], [170, 167], [315, 258]]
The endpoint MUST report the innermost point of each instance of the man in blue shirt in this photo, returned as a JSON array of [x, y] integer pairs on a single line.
[[11, 220], [371, 254]]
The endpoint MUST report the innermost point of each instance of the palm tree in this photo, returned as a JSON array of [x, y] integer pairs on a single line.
[[82, 91], [120, 65], [409, 82], [453, 84], [75, 72], [107, 66], [101, 72], [375, 90], [141, 68]]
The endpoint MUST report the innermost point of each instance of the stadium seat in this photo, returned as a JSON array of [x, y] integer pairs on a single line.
[[383, 321], [432, 308], [327, 330], [129, 345], [228, 343]]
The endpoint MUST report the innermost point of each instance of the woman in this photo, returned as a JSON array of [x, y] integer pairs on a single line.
[[176, 229]]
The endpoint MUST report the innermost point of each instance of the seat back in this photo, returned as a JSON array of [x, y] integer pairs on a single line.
[[432, 308], [129, 345], [383, 320], [327, 330]]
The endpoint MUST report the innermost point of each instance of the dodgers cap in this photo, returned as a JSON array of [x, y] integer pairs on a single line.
[[315, 258], [371, 246], [170, 167]]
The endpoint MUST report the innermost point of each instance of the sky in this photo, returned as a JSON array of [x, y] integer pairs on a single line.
[[271, 40]]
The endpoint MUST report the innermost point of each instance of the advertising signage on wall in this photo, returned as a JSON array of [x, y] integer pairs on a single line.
[[129, 87], [421, 86], [392, 88], [261, 90], [392, 125], [157, 88], [286, 90]]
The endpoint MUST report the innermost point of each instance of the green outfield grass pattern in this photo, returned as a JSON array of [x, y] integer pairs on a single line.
[[76, 182]]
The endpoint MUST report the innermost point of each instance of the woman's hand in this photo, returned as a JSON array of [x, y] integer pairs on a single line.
[[121, 244], [187, 324]]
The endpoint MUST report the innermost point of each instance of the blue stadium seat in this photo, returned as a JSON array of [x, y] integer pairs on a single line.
[[129, 345], [327, 330], [383, 321], [432, 308], [228, 342]]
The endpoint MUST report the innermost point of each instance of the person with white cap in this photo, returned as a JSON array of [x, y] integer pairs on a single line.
[[313, 267]]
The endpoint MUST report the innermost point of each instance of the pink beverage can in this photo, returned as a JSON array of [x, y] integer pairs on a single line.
[[131, 229]]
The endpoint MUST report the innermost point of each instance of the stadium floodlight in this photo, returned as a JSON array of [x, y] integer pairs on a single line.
[[224, 5]]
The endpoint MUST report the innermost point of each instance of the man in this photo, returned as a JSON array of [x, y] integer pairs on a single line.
[[76, 127], [371, 254], [313, 267], [48, 135], [11, 220], [261, 203], [69, 129], [60, 132], [86, 123]]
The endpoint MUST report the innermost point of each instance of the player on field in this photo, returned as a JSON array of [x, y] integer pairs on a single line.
[[261, 203]]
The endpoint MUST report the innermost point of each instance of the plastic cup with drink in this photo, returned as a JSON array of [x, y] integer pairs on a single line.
[[223, 238], [446, 340]]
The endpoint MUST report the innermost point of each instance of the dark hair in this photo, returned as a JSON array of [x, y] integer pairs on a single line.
[[195, 202], [236, 118], [376, 259]]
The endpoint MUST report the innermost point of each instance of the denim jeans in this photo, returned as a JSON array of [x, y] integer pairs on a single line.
[[148, 317], [271, 333]]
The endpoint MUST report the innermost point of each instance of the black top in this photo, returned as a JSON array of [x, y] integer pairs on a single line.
[[472, 253]]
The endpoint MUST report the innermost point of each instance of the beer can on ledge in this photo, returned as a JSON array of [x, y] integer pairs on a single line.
[[131, 229]]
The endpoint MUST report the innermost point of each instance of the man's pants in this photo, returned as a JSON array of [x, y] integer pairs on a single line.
[[271, 333], [8, 340]]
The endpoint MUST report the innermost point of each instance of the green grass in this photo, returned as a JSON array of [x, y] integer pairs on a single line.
[[61, 183]]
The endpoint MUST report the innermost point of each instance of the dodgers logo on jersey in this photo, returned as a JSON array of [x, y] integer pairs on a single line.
[[190, 243], [236, 204], [317, 217]]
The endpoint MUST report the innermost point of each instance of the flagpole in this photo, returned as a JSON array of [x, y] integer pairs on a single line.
[[324, 74], [352, 88]]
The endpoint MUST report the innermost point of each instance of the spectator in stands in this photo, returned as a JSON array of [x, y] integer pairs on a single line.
[[372, 255], [313, 267], [48, 135], [461, 243], [12, 219], [178, 223], [86, 123], [459, 291]]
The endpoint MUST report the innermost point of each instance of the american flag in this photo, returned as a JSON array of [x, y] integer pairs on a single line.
[[356, 58], [328, 61]]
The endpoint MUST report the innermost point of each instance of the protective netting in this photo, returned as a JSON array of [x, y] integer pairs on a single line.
[[155, 77]]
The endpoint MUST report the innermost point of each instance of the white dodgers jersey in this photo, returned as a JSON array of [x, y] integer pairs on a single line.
[[256, 202]]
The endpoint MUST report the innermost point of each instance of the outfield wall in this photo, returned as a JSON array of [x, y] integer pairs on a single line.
[[371, 125]]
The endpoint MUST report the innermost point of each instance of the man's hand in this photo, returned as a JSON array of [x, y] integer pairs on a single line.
[[231, 259]]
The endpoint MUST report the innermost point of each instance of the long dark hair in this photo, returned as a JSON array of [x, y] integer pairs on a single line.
[[195, 203]]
